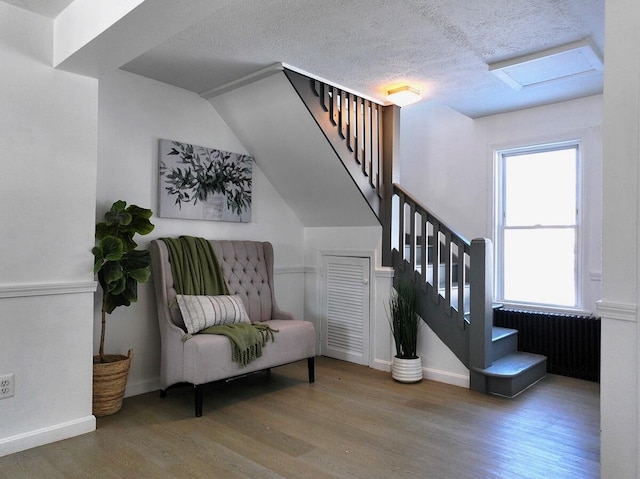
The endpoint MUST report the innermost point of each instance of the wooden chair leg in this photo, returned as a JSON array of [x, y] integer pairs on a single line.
[[311, 362], [198, 397]]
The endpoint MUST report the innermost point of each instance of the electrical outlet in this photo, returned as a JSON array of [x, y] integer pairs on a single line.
[[7, 383]]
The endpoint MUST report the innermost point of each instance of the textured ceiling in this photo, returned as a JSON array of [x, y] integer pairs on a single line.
[[441, 46]]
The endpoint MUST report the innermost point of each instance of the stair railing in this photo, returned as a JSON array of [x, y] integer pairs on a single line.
[[453, 275], [360, 131]]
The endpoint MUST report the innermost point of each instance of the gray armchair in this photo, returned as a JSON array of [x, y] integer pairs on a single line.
[[247, 267]]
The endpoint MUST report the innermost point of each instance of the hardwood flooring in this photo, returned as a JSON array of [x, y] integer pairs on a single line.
[[354, 422]]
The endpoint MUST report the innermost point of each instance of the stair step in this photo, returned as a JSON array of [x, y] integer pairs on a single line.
[[504, 342], [514, 373], [499, 333]]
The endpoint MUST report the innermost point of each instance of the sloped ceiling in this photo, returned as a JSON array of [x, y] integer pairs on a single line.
[[275, 126], [442, 46]]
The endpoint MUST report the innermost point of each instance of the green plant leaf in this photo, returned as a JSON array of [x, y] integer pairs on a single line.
[[111, 302], [111, 248], [116, 287], [140, 220], [130, 291], [137, 259], [112, 271], [141, 275], [120, 218]]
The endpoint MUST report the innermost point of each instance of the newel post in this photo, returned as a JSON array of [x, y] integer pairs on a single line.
[[481, 282], [390, 157]]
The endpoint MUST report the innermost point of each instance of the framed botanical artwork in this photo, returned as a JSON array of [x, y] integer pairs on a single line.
[[203, 183]]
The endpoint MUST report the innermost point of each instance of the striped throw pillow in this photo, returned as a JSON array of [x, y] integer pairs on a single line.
[[200, 312]]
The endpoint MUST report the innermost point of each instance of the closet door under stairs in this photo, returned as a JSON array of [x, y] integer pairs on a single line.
[[345, 319]]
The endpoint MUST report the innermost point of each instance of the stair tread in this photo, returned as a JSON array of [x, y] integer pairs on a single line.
[[498, 333], [513, 364]]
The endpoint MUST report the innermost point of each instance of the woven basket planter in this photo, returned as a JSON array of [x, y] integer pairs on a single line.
[[109, 382]]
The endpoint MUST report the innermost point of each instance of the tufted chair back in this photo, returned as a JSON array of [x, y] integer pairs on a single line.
[[247, 267]]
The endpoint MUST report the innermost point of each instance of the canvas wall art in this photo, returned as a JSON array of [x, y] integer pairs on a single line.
[[203, 183]]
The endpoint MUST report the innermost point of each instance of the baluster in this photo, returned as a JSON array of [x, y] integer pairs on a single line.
[[353, 125], [344, 114], [379, 180], [341, 113], [435, 257], [423, 246], [447, 270], [366, 144], [401, 227], [414, 236], [324, 96], [373, 179], [333, 115], [462, 279], [360, 148], [315, 86]]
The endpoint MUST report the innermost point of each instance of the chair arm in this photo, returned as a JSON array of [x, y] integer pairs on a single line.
[[277, 313]]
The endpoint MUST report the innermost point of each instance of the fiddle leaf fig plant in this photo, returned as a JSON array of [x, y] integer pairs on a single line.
[[118, 264]]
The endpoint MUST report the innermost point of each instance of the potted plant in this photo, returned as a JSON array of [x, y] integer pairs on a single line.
[[120, 267], [210, 176], [405, 322]]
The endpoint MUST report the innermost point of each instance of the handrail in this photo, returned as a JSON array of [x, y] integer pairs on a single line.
[[363, 134], [453, 276], [442, 251], [397, 189], [454, 281]]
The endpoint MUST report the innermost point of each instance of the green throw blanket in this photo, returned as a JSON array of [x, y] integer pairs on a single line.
[[247, 340], [196, 271], [195, 267]]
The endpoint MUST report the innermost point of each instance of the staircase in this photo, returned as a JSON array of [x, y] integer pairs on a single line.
[[453, 276], [511, 371]]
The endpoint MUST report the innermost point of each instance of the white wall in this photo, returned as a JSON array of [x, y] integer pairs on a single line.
[[620, 446], [447, 162], [442, 163], [134, 113], [48, 150]]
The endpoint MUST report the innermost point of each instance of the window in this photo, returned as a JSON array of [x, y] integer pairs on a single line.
[[537, 225]]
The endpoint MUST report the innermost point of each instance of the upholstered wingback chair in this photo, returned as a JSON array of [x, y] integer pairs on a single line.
[[247, 267]]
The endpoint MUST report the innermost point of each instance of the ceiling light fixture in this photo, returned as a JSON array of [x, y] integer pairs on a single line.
[[403, 96], [566, 61]]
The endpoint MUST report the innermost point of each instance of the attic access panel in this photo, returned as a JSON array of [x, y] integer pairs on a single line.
[[566, 61]]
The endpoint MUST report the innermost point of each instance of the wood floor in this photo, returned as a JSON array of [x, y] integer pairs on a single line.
[[354, 422]]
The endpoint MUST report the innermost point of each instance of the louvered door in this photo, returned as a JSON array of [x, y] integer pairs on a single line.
[[345, 324]]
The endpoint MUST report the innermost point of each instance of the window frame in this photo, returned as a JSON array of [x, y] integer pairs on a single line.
[[499, 227]]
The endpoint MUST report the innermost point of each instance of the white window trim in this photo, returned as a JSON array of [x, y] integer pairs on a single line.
[[498, 202]]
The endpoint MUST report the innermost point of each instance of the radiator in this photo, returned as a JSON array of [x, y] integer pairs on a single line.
[[571, 343]]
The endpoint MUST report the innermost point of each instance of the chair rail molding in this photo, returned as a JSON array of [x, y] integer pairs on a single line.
[[46, 289], [617, 311]]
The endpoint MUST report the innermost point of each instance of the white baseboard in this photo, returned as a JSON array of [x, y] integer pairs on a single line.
[[142, 387], [46, 435], [447, 377], [381, 365]]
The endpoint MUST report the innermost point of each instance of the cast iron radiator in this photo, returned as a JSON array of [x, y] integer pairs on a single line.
[[571, 343]]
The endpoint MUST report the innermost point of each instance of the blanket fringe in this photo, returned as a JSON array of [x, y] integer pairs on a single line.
[[244, 353]]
